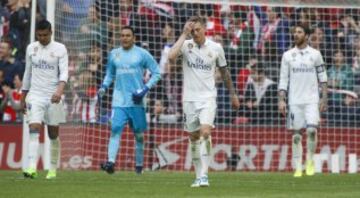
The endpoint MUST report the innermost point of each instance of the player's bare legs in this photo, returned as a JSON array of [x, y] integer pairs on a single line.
[[53, 132], [33, 148], [311, 142], [297, 151]]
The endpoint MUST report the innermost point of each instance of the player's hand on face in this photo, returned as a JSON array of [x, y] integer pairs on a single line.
[[55, 98], [188, 27], [282, 107], [235, 102]]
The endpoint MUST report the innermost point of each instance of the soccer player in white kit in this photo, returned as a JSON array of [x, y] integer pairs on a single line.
[[302, 70], [46, 74], [200, 57]]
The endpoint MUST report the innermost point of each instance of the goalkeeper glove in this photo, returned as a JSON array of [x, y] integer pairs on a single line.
[[101, 92], [139, 94]]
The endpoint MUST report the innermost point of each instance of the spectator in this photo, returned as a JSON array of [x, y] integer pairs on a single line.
[[345, 112], [2, 94], [340, 76], [19, 25], [8, 63], [10, 104], [260, 98]]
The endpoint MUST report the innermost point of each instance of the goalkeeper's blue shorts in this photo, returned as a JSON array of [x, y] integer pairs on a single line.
[[135, 116]]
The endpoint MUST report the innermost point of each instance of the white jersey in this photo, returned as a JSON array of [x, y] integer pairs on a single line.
[[46, 66], [199, 64], [300, 74]]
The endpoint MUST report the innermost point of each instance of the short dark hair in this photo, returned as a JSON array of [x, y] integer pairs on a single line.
[[198, 19], [306, 29], [128, 28], [43, 25]]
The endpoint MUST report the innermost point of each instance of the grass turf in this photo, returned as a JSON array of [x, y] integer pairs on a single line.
[[94, 184]]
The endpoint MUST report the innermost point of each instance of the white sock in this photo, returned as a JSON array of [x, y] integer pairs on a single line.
[[195, 155], [297, 150], [205, 148], [311, 142], [54, 153], [33, 149]]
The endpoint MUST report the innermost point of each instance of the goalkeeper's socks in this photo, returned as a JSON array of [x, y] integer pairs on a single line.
[[33, 148], [114, 145], [54, 153], [195, 155], [139, 152], [205, 148]]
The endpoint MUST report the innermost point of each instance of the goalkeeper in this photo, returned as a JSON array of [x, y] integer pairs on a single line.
[[126, 65]]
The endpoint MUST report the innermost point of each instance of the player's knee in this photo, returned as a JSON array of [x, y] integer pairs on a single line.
[[53, 136], [194, 136], [35, 127], [116, 128], [296, 138], [139, 137], [311, 133], [205, 132]]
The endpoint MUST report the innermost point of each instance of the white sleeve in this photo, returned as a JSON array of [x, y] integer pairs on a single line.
[[221, 60], [27, 75], [284, 74], [320, 68], [63, 66]]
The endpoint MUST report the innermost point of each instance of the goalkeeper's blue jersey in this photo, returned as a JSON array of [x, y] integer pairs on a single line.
[[127, 68]]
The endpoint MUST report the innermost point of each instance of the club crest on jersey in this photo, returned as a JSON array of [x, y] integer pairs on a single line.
[[209, 55], [293, 55], [28, 107], [52, 55], [190, 45], [36, 49], [117, 56]]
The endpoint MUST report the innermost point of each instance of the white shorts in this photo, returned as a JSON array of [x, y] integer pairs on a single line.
[[197, 113], [303, 116], [41, 110]]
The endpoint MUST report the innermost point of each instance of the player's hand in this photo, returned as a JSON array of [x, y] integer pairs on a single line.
[[23, 106], [323, 104], [139, 94], [101, 92], [55, 98], [235, 102], [188, 27], [282, 107]]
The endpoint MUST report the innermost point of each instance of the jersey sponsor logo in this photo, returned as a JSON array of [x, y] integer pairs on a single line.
[[199, 64], [125, 70], [303, 70], [43, 65]]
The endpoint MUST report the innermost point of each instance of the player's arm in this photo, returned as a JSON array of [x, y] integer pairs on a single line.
[[152, 65], [176, 48], [322, 76], [225, 74], [109, 76], [26, 79], [63, 76], [283, 85]]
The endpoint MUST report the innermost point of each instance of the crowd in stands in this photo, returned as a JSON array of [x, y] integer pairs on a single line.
[[254, 39]]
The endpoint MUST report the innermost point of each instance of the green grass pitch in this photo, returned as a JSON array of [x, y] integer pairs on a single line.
[[94, 184]]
